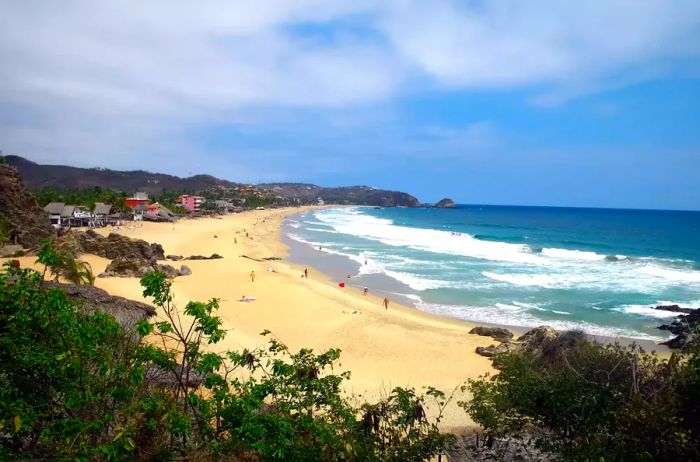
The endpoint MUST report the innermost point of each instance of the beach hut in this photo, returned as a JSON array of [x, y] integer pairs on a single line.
[[55, 211], [101, 214]]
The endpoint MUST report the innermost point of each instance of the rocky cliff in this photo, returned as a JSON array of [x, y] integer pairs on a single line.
[[27, 222]]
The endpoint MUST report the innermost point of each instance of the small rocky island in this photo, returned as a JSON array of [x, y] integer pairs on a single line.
[[445, 203]]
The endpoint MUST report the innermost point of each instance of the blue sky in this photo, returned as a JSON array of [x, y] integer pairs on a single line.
[[503, 102]]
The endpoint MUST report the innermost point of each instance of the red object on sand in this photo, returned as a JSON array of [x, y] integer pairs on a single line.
[[15, 263], [341, 284]]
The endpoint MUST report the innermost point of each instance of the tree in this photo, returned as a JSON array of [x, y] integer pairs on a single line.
[[62, 264]]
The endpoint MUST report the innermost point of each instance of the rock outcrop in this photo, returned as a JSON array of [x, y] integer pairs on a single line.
[[214, 256], [27, 223], [124, 267], [126, 312], [497, 333], [112, 246], [683, 327], [543, 340], [445, 203]]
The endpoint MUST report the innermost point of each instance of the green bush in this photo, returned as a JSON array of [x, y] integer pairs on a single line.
[[581, 400], [77, 387]]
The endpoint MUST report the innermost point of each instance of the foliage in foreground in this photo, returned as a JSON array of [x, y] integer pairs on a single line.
[[76, 386], [580, 400]]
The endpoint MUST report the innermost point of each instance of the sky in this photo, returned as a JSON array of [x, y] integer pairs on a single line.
[[538, 102]]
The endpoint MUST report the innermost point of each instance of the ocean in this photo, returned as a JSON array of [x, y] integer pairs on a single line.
[[599, 270]]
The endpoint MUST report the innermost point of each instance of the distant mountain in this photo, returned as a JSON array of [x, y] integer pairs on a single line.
[[360, 195], [37, 176]]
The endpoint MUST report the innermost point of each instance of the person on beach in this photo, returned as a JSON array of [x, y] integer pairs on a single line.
[[252, 276], [386, 303], [306, 273], [364, 291]]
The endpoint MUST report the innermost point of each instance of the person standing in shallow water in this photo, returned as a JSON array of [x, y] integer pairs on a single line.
[[386, 303], [252, 276]]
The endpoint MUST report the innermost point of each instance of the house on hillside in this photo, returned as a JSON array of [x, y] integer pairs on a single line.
[[190, 203], [321, 201]]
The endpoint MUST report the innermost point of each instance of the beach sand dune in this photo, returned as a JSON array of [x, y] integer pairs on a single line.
[[382, 348]]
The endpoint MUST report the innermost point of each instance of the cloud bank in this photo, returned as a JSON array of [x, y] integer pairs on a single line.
[[135, 84]]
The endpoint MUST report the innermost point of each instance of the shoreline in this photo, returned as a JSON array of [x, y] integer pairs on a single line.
[[329, 264]]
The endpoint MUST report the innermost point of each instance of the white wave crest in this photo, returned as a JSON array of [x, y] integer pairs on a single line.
[[572, 254], [644, 310], [507, 316]]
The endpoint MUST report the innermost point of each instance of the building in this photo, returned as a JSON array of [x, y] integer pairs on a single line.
[[55, 210], [320, 201], [190, 203], [138, 198], [100, 214]]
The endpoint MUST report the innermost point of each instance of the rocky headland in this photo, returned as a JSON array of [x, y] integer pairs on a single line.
[[445, 203], [683, 327], [27, 223]]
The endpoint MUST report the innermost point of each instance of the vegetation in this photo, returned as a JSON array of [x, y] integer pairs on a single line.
[[85, 197], [62, 264], [5, 231], [580, 400], [76, 386]]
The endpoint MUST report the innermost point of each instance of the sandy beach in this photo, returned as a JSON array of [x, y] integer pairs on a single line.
[[382, 348]]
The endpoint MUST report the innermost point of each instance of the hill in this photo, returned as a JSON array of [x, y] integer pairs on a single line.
[[38, 176]]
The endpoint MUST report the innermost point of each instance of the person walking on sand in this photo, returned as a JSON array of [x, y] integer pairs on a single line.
[[364, 292], [306, 273], [386, 303], [252, 276]]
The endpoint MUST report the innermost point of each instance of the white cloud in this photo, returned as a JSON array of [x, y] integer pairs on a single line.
[[124, 81]]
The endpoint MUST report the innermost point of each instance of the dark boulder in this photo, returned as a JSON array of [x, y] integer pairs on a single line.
[[135, 268], [174, 257], [113, 246], [497, 333], [683, 328], [214, 256]]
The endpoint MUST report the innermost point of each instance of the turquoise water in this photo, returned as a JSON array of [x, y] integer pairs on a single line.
[[599, 270]]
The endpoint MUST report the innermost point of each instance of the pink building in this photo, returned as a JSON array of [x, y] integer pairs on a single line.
[[190, 203]]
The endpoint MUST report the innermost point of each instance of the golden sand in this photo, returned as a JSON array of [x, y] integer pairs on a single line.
[[382, 348]]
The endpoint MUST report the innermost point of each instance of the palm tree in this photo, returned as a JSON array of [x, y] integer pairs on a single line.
[[62, 264], [76, 271]]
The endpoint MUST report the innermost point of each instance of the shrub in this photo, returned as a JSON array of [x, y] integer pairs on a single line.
[[77, 386], [581, 400]]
